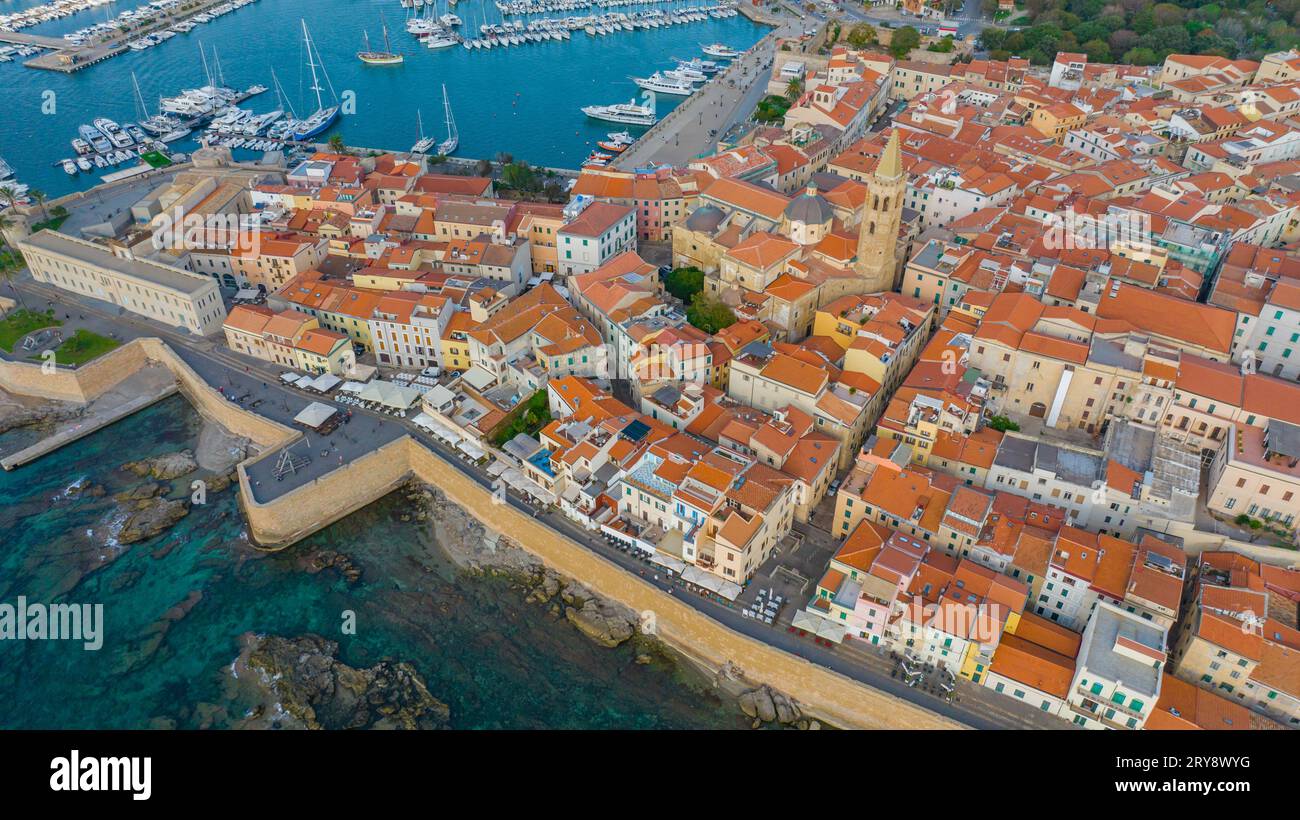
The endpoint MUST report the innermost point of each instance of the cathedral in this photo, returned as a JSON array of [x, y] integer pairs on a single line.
[[820, 247]]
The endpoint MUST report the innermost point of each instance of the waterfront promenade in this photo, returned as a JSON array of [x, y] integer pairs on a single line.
[[691, 129]]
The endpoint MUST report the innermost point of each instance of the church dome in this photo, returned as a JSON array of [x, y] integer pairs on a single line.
[[810, 208], [705, 218]]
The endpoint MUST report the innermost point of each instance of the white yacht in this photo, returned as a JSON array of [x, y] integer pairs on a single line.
[[628, 113], [660, 84]]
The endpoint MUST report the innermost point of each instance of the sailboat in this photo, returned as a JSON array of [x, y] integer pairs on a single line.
[[323, 117], [448, 146], [424, 144], [385, 57]]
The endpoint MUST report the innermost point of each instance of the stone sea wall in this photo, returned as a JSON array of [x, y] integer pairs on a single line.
[[80, 385], [91, 380], [839, 699]]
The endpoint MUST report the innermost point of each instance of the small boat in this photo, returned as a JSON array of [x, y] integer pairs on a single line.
[[616, 142], [70, 167], [81, 146], [100, 162], [83, 163]]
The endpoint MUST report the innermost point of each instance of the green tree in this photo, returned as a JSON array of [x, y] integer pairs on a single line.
[[684, 283], [336, 143], [1097, 50], [520, 177], [709, 314], [1140, 56], [40, 199], [904, 40], [862, 34]]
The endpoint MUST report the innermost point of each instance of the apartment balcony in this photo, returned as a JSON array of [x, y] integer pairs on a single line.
[[1101, 706]]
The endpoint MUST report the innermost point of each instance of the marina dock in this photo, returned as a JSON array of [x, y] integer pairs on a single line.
[[68, 57]]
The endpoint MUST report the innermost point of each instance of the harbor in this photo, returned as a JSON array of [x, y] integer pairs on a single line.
[[535, 95]]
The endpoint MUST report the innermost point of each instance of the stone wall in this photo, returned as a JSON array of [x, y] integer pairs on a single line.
[[93, 379], [214, 406], [79, 385], [837, 698], [340, 492]]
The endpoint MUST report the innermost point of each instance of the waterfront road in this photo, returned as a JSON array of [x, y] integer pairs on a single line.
[[691, 129], [974, 706]]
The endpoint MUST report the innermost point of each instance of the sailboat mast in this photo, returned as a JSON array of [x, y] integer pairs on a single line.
[[311, 63]]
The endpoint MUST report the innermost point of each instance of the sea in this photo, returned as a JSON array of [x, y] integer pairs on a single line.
[[498, 661], [523, 101]]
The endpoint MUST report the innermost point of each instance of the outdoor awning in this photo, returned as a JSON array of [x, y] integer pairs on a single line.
[[497, 468], [819, 626], [478, 378], [289, 377], [390, 394], [470, 449], [352, 387], [709, 581], [325, 382], [668, 561], [315, 414]]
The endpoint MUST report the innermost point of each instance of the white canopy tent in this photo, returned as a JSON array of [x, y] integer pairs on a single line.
[[697, 576], [819, 626], [389, 394], [315, 414]]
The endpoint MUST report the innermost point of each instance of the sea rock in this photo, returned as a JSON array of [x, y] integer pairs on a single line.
[[14, 416], [601, 622], [165, 467], [310, 686], [151, 516], [316, 560], [768, 705], [149, 489]]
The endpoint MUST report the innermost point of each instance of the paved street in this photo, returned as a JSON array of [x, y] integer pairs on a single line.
[[969, 18]]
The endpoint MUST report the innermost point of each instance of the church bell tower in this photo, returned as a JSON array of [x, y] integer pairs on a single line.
[[881, 215]]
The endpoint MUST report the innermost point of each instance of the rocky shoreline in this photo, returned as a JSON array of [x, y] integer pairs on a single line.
[[476, 549], [21, 411], [304, 686]]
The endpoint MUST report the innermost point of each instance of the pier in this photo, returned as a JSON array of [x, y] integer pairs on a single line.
[[68, 57]]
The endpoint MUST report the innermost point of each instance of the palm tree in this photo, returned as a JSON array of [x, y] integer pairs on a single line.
[[39, 198], [336, 143], [8, 271], [793, 89]]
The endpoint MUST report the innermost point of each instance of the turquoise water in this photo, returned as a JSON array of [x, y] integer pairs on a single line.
[[497, 661], [523, 100]]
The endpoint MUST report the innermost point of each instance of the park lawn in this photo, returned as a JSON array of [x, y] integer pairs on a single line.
[[529, 417], [21, 322], [82, 347]]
